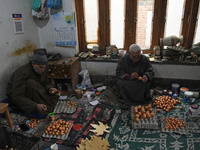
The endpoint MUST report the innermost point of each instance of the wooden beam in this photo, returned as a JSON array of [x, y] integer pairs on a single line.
[[192, 23], [104, 25], [130, 23], [185, 23], [158, 22], [162, 18], [80, 25]]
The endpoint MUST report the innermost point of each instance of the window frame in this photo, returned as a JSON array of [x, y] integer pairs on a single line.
[[158, 23]]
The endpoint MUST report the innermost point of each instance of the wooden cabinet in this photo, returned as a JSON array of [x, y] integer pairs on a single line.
[[64, 70]]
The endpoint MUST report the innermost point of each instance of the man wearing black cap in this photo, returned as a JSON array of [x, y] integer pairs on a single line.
[[29, 88]]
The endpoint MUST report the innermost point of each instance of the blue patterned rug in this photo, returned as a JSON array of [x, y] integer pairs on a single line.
[[123, 137]]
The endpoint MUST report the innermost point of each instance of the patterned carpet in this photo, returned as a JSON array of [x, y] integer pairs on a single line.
[[123, 137]]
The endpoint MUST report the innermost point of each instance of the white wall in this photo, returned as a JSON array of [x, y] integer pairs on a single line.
[[38, 32], [9, 42], [45, 29], [168, 71]]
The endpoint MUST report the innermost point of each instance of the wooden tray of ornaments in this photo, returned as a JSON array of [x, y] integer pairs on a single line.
[[64, 106], [143, 117], [58, 129], [172, 124]]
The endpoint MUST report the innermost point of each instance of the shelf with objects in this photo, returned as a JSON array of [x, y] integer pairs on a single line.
[[64, 73], [171, 49]]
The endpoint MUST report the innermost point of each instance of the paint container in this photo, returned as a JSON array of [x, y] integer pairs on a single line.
[[182, 90], [194, 111], [175, 87], [51, 116], [188, 96], [195, 94], [117, 110], [92, 91], [78, 93]]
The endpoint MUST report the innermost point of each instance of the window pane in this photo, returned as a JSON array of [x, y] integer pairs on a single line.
[[117, 23], [174, 17], [144, 24], [91, 22], [197, 34]]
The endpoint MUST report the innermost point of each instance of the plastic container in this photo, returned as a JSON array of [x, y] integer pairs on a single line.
[[187, 96], [175, 87], [195, 94], [18, 140], [182, 90], [193, 111], [51, 116], [117, 110]]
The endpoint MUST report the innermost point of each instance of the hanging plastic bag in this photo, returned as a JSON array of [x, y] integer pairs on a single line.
[[43, 12], [85, 78], [54, 4], [36, 4]]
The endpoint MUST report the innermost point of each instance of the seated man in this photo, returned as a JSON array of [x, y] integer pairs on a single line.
[[29, 88], [134, 71]]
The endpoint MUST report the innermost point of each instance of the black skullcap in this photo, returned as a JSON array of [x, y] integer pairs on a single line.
[[39, 58]]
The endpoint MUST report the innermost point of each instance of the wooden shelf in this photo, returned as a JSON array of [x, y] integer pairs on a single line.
[[64, 69]]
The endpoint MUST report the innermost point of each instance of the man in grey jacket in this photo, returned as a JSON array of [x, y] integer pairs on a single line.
[[29, 88], [134, 72]]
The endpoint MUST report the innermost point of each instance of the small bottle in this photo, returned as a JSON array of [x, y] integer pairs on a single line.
[[175, 96], [170, 94], [117, 109], [106, 114], [164, 92]]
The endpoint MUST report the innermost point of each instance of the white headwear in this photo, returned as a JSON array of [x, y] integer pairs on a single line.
[[134, 48]]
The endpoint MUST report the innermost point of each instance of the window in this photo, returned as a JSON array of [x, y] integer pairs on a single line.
[[144, 25], [91, 23], [117, 23], [123, 22], [197, 34], [174, 17]]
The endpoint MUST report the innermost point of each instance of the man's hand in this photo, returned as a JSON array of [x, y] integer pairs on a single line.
[[53, 90], [134, 75], [145, 78], [41, 108]]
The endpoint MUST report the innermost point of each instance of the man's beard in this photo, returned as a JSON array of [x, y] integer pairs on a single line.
[[37, 71]]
